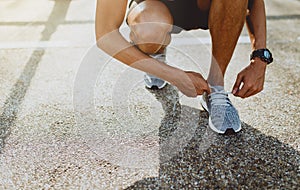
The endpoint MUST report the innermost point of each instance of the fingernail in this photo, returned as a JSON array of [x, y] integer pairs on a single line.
[[234, 91]]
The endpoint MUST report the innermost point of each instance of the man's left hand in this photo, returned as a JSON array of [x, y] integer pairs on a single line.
[[250, 80]]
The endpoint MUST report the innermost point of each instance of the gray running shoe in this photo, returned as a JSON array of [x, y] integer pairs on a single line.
[[152, 81], [222, 114]]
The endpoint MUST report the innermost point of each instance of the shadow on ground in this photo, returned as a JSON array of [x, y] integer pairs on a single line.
[[245, 160]]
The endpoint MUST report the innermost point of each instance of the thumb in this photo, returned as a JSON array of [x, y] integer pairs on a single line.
[[207, 88]]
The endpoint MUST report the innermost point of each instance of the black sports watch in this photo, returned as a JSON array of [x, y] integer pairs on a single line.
[[264, 54]]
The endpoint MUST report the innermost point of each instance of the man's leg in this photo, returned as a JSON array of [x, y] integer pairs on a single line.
[[151, 23], [226, 21]]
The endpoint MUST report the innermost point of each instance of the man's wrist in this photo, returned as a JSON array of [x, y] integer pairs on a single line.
[[257, 61], [172, 75], [259, 43], [259, 46]]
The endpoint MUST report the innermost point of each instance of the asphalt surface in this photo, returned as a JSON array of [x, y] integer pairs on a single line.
[[72, 118]]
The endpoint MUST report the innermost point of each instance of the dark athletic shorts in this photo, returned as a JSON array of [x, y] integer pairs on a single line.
[[186, 14]]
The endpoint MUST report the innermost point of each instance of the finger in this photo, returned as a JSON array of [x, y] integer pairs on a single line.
[[242, 92], [237, 84], [207, 88], [202, 87], [201, 91]]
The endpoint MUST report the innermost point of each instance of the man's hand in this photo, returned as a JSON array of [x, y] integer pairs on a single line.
[[191, 83], [252, 77]]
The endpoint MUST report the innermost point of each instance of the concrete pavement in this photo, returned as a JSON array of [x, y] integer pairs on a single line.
[[128, 137]]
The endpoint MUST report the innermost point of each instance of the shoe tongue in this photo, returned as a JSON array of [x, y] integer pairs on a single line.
[[217, 89], [218, 95]]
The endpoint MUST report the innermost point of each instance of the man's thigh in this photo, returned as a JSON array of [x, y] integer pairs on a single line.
[[148, 11], [186, 14]]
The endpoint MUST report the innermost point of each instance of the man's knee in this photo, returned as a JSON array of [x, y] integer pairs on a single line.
[[151, 37], [151, 24]]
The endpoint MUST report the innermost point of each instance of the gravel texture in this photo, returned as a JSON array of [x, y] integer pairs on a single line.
[[247, 160], [150, 139]]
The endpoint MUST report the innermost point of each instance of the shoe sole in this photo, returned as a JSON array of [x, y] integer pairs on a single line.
[[154, 86], [211, 125]]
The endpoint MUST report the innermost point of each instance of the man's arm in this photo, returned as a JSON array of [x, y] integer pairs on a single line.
[[109, 17], [256, 24], [253, 76]]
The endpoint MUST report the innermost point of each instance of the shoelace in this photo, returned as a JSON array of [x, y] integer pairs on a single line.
[[219, 98]]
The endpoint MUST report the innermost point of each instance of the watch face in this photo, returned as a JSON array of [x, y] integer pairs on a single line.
[[267, 54]]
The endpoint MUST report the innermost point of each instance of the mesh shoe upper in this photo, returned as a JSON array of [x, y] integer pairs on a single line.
[[222, 114]]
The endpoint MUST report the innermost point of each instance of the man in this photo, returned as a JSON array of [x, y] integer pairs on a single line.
[[151, 23]]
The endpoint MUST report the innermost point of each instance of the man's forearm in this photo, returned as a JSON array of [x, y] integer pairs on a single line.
[[116, 46], [256, 23]]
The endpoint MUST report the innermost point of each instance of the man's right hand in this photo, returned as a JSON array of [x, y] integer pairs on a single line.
[[191, 83]]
